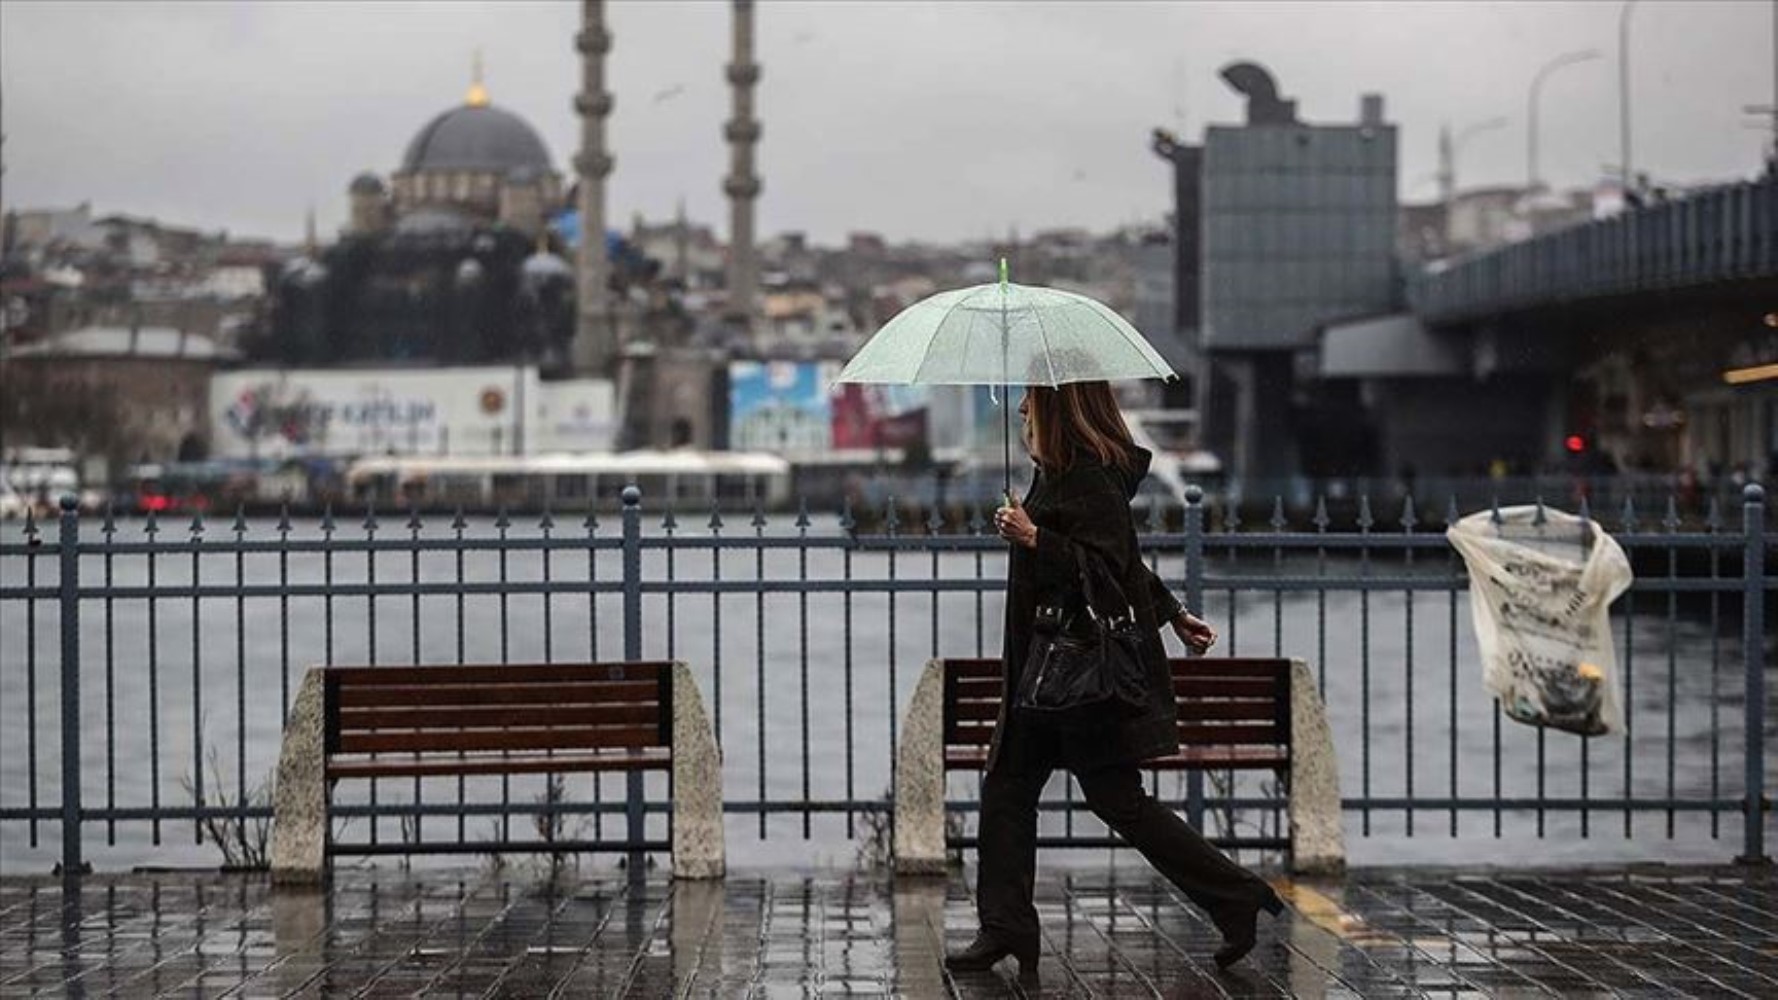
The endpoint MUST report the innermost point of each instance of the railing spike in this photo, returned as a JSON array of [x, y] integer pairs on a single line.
[[1452, 514], [1365, 521], [1231, 514], [1713, 516], [591, 521], [151, 527], [1585, 510], [414, 524], [1671, 520], [1321, 520], [935, 520], [976, 523], [758, 522], [109, 527], [669, 522], [1157, 522], [1494, 511], [240, 525], [546, 522], [500, 520], [1629, 517], [802, 514], [284, 515], [1278, 522], [1539, 516], [327, 525], [715, 523], [197, 525], [891, 516], [31, 532], [458, 521], [848, 523], [1408, 518]]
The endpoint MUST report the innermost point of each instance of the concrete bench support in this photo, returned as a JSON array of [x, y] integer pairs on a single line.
[[698, 843], [299, 799], [920, 779], [1317, 840]]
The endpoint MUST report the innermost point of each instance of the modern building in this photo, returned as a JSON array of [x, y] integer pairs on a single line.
[[1297, 229]]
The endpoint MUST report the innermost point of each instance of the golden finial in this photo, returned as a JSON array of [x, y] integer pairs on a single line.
[[478, 94]]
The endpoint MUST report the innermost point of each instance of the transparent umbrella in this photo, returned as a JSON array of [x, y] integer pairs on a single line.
[[1005, 334]]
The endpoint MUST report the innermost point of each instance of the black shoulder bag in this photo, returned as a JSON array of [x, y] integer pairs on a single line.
[[1085, 673]]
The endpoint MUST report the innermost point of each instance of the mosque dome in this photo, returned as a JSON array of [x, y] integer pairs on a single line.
[[477, 137], [367, 183]]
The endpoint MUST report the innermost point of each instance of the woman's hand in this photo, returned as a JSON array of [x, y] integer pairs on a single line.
[[1014, 525], [1195, 632]]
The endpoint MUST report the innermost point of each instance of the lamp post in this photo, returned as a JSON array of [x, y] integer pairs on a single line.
[[1449, 148], [1623, 93], [1532, 182]]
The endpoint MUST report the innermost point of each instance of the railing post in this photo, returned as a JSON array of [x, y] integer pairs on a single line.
[[632, 573], [1194, 602], [1753, 638], [68, 548]]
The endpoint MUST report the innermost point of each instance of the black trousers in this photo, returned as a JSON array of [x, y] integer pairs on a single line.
[[1007, 851]]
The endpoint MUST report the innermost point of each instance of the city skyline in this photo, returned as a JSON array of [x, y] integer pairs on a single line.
[[958, 121]]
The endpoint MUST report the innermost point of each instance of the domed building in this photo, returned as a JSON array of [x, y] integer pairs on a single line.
[[449, 261]]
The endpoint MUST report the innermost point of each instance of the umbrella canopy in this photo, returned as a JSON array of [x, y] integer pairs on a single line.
[[1005, 334]]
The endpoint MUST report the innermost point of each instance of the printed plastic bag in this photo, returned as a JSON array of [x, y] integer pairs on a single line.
[[1540, 586]]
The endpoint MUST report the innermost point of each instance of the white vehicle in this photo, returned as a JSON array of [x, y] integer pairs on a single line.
[[731, 478]]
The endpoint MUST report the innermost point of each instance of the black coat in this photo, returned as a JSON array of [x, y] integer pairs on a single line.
[[1086, 507]]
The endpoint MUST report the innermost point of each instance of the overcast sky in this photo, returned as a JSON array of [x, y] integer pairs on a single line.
[[932, 121]]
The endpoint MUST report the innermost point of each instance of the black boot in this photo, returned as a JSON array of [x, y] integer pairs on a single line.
[[986, 950], [1241, 928]]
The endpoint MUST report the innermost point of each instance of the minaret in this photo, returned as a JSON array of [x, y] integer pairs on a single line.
[[594, 331], [681, 246], [742, 184]]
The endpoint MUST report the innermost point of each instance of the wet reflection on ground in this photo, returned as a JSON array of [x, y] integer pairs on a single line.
[[1664, 932]]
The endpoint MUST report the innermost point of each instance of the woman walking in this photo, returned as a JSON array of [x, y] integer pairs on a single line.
[[1079, 508]]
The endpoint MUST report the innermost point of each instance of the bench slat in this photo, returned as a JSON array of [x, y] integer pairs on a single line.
[[421, 767], [411, 695], [470, 717], [1232, 736], [1223, 687], [509, 738], [504, 673], [1190, 758], [1229, 667]]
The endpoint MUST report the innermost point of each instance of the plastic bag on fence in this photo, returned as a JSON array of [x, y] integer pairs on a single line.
[[1540, 586]]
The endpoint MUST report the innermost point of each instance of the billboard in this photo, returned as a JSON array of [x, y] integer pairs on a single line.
[[788, 407], [343, 413]]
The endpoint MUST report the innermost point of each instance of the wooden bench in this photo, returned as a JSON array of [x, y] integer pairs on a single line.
[[431, 721], [1234, 714]]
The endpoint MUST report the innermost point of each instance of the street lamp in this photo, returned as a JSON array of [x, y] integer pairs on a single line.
[[1566, 59], [1449, 148]]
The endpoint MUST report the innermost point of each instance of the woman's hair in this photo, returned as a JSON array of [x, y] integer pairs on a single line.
[[1075, 419]]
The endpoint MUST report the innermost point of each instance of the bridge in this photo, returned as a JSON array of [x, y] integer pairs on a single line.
[[1720, 239], [1643, 342]]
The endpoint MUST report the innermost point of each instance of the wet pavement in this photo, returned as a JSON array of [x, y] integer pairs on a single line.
[[1643, 931]]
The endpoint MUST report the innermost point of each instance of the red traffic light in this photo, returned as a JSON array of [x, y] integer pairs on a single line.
[[1576, 444]]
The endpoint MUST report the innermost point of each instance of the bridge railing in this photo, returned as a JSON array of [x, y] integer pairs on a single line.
[[1723, 234], [147, 669]]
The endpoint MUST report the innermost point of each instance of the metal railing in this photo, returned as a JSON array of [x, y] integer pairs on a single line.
[[1723, 234], [147, 678]]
